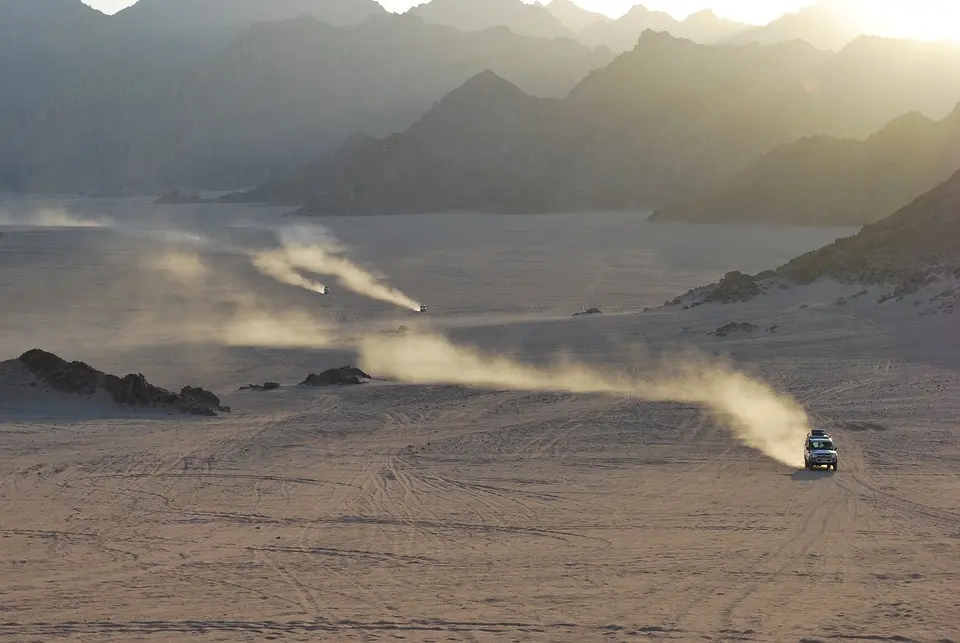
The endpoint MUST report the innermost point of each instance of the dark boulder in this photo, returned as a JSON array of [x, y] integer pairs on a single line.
[[197, 398], [734, 327], [177, 197], [588, 311], [735, 286], [342, 376], [266, 386]]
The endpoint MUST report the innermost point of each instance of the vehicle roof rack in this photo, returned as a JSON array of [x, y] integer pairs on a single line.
[[818, 433]]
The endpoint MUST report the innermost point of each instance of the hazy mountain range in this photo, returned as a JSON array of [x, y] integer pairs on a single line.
[[825, 180], [823, 26], [665, 120], [498, 105], [95, 113]]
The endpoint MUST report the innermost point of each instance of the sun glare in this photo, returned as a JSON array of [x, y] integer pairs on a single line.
[[919, 19]]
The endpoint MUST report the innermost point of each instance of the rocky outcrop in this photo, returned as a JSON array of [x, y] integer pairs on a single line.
[[342, 376], [734, 287], [912, 250], [733, 328], [266, 386], [79, 378], [588, 311], [177, 198]]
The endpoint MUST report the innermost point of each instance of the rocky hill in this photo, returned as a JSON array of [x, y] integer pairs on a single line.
[[821, 180], [915, 247], [916, 243], [82, 380]]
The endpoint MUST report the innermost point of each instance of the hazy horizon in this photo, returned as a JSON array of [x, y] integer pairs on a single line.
[[741, 10], [915, 19]]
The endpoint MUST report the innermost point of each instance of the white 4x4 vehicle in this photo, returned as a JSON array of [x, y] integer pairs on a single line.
[[819, 450]]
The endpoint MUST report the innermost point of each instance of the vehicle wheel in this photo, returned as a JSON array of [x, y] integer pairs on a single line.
[[835, 466]]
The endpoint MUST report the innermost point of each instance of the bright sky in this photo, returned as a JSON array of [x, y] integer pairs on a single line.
[[927, 19]]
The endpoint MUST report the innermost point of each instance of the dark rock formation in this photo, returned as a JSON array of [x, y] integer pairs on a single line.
[[734, 327], [735, 286], [588, 311], [134, 390], [266, 386], [177, 197], [908, 250], [342, 376]]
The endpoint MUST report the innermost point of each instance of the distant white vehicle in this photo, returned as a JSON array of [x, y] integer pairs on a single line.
[[819, 450], [326, 290], [423, 308]]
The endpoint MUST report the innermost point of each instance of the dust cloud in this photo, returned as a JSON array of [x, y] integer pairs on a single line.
[[184, 267], [52, 218], [757, 415], [278, 265], [314, 249], [265, 329]]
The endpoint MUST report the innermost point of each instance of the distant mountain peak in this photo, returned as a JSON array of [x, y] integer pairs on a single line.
[[638, 10], [954, 116], [703, 14], [573, 16], [487, 82], [479, 15]]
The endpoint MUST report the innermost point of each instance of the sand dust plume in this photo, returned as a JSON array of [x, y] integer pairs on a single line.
[[52, 218], [758, 416], [183, 267], [314, 249], [277, 264], [265, 329]]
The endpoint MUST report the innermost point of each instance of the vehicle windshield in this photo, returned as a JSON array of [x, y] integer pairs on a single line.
[[820, 445]]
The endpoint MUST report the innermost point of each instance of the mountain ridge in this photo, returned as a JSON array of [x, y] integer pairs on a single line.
[[823, 180], [669, 117], [255, 110]]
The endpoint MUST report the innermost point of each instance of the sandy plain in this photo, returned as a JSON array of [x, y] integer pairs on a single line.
[[440, 512]]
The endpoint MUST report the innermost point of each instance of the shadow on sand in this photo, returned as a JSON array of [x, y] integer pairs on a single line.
[[815, 474]]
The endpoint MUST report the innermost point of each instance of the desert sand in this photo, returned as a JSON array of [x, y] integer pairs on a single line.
[[443, 512]]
